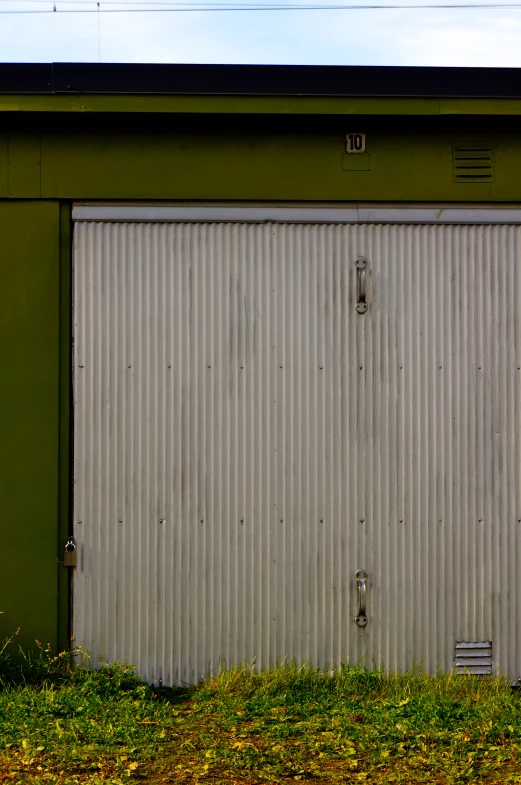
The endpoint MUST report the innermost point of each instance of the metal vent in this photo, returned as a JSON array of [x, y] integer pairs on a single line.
[[474, 657], [472, 163]]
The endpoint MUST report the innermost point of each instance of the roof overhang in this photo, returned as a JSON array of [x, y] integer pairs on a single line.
[[272, 89], [260, 80]]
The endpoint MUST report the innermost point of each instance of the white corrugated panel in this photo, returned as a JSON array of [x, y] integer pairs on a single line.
[[245, 441]]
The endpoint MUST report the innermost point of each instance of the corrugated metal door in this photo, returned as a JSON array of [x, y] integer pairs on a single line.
[[245, 441]]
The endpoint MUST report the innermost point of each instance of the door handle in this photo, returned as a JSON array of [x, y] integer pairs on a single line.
[[361, 592], [361, 267]]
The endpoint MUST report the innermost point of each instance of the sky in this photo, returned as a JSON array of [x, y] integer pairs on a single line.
[[473, 37]]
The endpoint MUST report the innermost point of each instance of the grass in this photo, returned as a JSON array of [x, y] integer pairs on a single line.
[[63, 724]]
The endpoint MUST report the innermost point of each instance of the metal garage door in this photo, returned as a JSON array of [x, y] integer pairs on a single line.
[[246, 440]]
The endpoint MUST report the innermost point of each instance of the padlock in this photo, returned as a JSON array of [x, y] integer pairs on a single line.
[[70, 556]]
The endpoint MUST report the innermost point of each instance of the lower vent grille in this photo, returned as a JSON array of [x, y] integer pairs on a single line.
[[472, 163], [474, 657]]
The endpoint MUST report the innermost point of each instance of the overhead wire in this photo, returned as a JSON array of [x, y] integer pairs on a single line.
[[205, 7], [261, 4]]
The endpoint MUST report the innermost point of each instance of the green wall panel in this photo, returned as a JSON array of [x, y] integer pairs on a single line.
[[24, 165], [245, 157], [29, 418], [245, 104], [507, 185], [65, 469], [226, 164], [3, 165]]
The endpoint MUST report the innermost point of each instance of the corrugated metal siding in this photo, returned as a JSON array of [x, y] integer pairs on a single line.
[[226, 386]]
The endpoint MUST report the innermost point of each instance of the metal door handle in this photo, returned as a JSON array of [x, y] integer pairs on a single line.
[[361, 266], [361, 590]]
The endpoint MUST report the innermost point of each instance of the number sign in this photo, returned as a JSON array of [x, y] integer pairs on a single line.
[[355, 143]]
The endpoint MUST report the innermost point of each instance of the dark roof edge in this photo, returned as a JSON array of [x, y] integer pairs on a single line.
[[266, 80]]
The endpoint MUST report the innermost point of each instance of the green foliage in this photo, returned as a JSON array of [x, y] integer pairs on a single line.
[[60, 723], [36, 665]]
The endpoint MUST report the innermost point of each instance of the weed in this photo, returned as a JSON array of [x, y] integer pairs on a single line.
[[64, 724]]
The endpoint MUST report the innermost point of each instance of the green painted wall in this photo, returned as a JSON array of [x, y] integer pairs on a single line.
[[254, 163], [263, 157], [29, 418], [106, 147], [78, 103]]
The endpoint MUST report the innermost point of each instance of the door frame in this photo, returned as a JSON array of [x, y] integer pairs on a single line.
[[349, 212]]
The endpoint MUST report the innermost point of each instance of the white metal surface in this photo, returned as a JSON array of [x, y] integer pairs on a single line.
[[351, 212], [245, 441]]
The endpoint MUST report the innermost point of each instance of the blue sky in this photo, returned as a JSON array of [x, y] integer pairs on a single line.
[[389, 37]]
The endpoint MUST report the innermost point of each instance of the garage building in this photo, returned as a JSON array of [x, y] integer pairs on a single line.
[[261, 365]]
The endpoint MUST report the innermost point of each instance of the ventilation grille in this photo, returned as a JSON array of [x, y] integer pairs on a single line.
[[472, 163], [474, 657]]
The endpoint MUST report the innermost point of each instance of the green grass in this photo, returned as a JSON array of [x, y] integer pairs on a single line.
[[63, 724]]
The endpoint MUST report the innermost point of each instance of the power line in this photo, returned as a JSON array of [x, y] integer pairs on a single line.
[[206, 7], [257, 5], [187, 3]]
